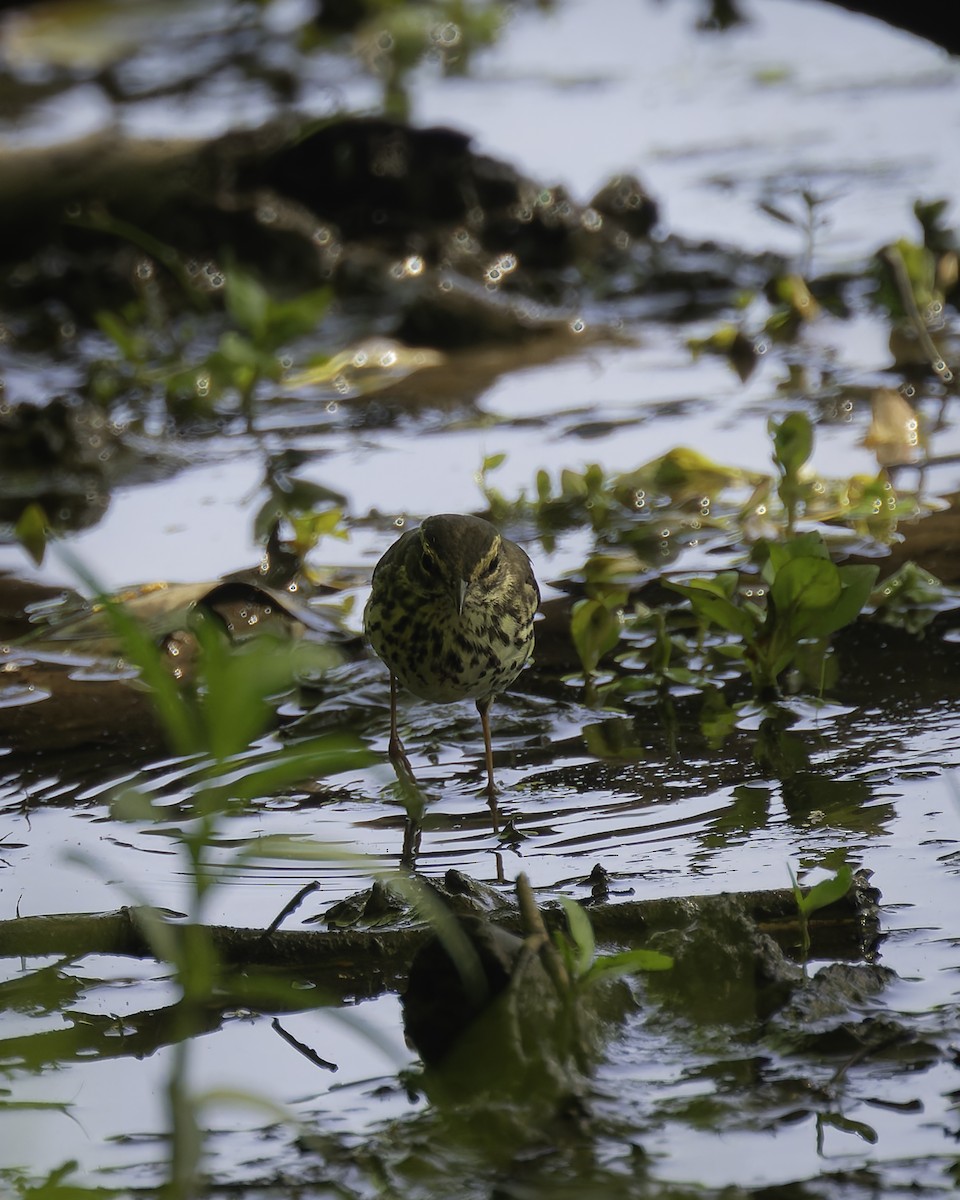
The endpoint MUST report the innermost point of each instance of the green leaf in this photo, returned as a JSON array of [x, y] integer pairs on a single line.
[[683, 473], [544, 488], [595, 630], [236, 350], [312, 759], [32, 530], [298, 849], [132, 345], [176, 711], [238, 684], [572, 484], [131, 804], [723, 584], [247, 302], [857, 582], [778, 554], [310, 528], [910, 584], [795, 887], [615, 966], [709, 601], [269, 1110], [826, 892], [290, 319], [792, 442], [581, 932], [802, 589]]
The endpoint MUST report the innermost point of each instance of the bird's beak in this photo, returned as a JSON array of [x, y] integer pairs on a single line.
[[461, 595]]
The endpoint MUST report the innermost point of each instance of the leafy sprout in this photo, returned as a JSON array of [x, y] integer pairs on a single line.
[[792, 447], [822, 894], [578, 951], [171, 354], [807, 598]]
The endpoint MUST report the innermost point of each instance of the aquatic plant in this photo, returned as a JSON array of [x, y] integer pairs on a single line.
[[213, 722], [827, 891], [170, 355], [584, 967], [806, 597]]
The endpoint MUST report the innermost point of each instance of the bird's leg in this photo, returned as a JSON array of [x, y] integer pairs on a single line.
[[410, 794], [395, 750], [412, 828], [483, 708]]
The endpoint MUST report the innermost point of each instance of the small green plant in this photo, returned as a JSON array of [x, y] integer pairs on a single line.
[[249, 352], [792, 447], [807, 598], [643, 518], [911, 598], [827, 891], [803, 211], [578, 952], [167, 353], [573, 966], [595, 628], [311, 510]]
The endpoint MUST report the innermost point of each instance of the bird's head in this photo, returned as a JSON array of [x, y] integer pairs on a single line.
[[459, 556]]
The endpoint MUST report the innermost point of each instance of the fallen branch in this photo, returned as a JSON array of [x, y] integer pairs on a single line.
[[263, 970], [847, 929]]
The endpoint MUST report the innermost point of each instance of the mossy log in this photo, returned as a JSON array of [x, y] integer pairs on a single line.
[[848, 928]]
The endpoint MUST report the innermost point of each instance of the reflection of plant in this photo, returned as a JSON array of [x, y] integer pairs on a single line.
[[578, 497], [912, 284], [808, 598], [312, 510]]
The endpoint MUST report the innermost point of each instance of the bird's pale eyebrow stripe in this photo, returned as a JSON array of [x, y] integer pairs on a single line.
[[491, 554]]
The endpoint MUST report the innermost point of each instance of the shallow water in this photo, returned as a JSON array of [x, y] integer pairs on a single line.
[[803, 96]]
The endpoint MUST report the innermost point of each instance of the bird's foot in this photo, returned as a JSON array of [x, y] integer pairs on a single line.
[[401, 764], [412, 829]]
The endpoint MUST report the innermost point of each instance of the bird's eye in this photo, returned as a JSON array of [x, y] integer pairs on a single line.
[[492, 567], [428, 564]]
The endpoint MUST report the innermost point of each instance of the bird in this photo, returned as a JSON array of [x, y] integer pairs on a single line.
[[451, 613]]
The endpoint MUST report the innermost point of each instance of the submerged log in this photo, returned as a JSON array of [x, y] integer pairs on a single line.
[[728, 966], [846, 929]]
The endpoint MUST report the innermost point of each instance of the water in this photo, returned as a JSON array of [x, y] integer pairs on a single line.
[[847, 108], [803, 96]]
